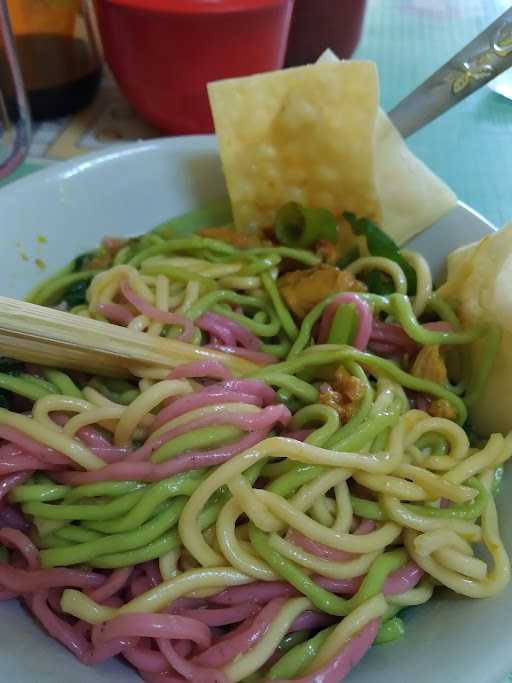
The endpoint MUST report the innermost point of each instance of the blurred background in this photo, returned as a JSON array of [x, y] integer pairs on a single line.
[[110, 71]]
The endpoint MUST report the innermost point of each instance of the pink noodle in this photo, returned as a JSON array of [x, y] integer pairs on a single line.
[[339, 586], [30, 446], [31, 580], [423, 402], [10, 482], [309, 620], [209, 322], [265, 419], [202, 368], [393, 334], [116, 313], [12, 518], [165, 317], [256, 592], [152, 572], [203, 398], [258, 357], [145, 659], [317, 548], [403, 579], [13, 460], [56, 627], [156, 626], [365, 319], [95, 440], [115, 582], [232, 645], [229, 331], [220, 617], [190, 671], [366, 526], [322, 550], [246, 386], [340, 666], [147, 471], [13, 538]]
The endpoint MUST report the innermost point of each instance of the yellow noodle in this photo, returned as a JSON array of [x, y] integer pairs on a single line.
[[56, 402], [168, 564], [156, 599], [307, 494], [344, 514], [161, 302], [497, 577], [391, 485], [478, 462], [374, 608], [430, 541], [140, 323], [92, 416], [415, 596], [437, 487], [236, 282], [331, 568], [275, 447], [144, 404], [235, 553], [366, 543], [192, 291], [424, 280], [46, 436], [150, 372], [321, 511], [410, 520], [461, 563], [255, 658]]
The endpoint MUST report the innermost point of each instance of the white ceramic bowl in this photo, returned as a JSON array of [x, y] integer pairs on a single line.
[[127, 191]]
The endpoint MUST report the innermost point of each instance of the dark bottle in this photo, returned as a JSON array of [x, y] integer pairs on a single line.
[[58, 54]]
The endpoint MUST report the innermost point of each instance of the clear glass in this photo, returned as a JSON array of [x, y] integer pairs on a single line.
[[58, 55], [15, 131]]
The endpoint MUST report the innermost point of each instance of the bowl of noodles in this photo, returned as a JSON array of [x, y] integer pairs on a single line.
[[328, 511]]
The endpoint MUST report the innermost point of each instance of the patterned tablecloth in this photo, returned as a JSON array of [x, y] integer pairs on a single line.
[[469, 147]]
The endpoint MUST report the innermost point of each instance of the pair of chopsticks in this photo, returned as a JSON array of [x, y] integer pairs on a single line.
[[46, 336]]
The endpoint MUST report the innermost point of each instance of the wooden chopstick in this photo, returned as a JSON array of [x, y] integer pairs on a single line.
[[47, 336]]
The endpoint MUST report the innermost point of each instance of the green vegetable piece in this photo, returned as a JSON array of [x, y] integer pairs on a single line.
[[75, 293], [380, 244], [298, 226], [349, 257], [390, 630], [9, 366]]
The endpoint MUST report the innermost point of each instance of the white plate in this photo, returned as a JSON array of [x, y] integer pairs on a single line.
[[127, 191]]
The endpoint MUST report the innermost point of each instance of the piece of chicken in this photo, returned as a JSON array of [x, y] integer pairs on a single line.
[[303, 289], [343, 394], [429, 364]]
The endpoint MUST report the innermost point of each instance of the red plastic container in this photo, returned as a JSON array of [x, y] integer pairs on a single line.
[[319, 24], [164, 52]]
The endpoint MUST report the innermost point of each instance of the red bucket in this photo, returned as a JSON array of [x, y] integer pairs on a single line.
[[164, 52]]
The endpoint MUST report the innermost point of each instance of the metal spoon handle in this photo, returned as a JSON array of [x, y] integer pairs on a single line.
[[479, 62]]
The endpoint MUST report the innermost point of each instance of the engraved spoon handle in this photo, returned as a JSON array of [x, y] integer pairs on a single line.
[[479, 62]]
